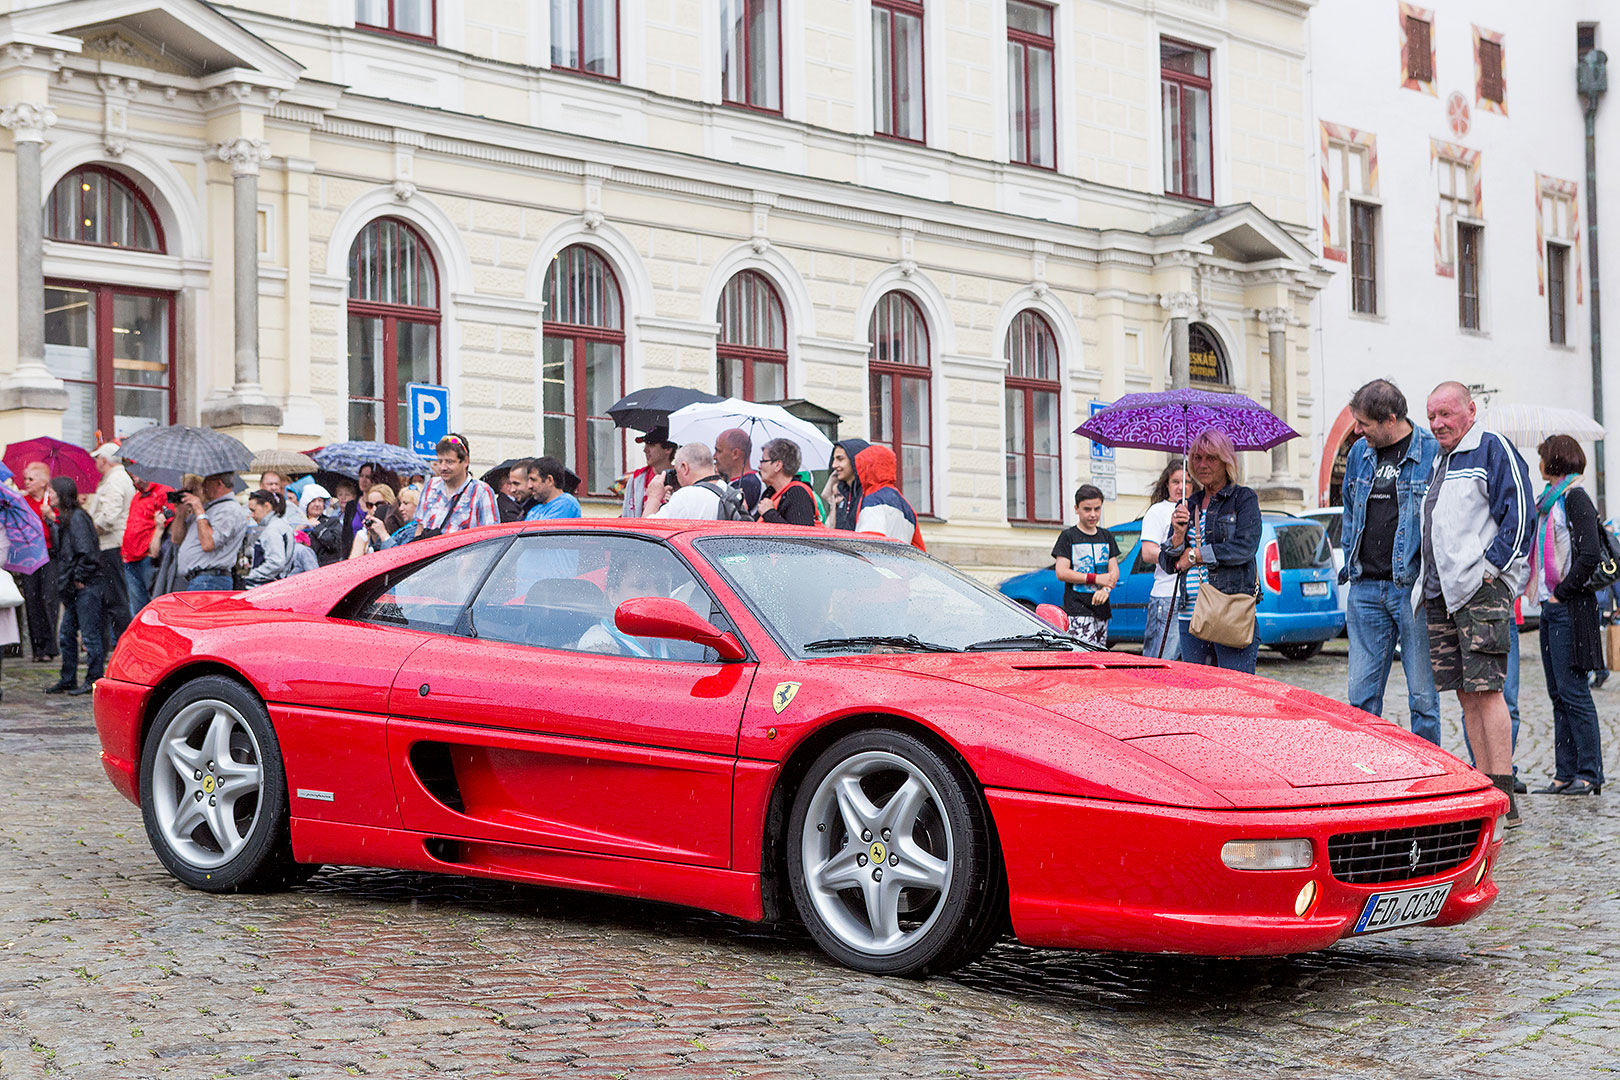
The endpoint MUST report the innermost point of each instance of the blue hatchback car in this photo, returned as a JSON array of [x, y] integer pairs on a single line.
[[1299, 606]]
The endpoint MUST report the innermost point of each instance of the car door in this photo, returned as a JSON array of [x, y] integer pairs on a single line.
[[1129, 599], [539, 723]]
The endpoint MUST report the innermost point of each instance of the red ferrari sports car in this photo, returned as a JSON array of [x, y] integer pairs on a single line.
[[762, 721]]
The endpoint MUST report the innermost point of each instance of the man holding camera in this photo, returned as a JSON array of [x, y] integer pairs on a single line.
[[209, 525]]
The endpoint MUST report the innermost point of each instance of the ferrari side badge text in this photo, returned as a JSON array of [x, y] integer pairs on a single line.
[[784, 695]]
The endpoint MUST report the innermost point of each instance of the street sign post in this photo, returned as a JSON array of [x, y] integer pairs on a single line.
[[428, 409], [1099, 452], [1102, 461]]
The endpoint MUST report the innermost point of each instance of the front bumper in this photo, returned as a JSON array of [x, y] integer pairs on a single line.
[[1297, 628], [1090, 874], [119, 707]]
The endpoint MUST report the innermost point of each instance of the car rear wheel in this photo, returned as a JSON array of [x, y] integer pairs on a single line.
[[213, 791], [1300, 650], [891, 858]]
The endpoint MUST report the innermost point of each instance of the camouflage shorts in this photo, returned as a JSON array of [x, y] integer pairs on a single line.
[[1469, 647], [1089, 630]]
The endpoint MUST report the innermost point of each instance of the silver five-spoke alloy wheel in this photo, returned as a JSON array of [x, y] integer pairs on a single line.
[[877, 853], [207, 783]]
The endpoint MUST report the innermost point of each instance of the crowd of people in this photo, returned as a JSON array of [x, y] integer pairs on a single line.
[[1442, 534]]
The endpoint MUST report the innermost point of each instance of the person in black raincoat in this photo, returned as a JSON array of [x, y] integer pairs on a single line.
[[843, 491], [80, 581]]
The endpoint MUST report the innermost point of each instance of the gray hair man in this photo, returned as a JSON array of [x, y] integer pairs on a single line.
[[733, 451]]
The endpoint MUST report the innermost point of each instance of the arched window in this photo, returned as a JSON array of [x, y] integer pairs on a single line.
[[1034, 426], [112, 346], [393, 326], [584, 366], [752, 351], [1206, 360], [94, 205], [902, 418]]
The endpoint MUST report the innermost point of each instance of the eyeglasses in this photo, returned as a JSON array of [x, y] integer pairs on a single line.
[[373, 504]]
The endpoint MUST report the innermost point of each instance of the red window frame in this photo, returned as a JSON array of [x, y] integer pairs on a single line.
[[392, 314], [751, 356], [1182, 82], [579, 43], [1022, 138], [579, 334], [1029, 386], [114, 180], [105, 385], [917, 370], [748, 60], [888, 125], [390, 28]]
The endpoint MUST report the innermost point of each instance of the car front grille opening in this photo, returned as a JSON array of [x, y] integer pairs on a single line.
[[1371, 858]]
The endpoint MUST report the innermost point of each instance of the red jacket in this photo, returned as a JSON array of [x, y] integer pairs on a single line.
[[138, 532]]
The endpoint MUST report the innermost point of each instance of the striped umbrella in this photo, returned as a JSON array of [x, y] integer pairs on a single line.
[[199, 450]]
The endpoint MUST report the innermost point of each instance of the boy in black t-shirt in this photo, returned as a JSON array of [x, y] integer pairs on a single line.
[[1088, 563]]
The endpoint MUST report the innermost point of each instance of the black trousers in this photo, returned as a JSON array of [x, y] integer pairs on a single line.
[[40, 605], [114, 596]]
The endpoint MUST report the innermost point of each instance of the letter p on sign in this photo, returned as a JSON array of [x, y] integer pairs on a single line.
[[428, 407]]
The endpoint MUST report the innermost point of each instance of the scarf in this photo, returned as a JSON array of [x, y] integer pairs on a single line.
[[1547, 552]]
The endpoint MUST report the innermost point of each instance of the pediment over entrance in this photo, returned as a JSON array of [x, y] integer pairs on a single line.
[[1238, 233], [177, 37]]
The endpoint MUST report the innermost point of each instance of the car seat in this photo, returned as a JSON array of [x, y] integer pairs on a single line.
[[560, 610]]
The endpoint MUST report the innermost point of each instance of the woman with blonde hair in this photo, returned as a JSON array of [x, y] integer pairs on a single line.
[[1213, 540]]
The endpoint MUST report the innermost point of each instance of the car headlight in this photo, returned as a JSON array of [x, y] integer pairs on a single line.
[[1268, 854], [1501, 827]]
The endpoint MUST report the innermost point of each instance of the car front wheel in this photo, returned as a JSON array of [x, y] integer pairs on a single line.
[[891, 858], [213, 791]]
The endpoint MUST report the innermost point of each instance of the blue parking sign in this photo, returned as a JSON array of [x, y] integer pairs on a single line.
[[428, 408], [1099, 452]]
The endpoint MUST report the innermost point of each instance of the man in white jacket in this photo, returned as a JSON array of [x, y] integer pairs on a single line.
[[110, 513]]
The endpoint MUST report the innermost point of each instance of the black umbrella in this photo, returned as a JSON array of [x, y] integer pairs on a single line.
[[170, 478], [497, 476], [643, 410]]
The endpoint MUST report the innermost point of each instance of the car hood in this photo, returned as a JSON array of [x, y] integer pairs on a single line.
[[1246, 737]]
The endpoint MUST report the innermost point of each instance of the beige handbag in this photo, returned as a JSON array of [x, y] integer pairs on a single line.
[[1223, 618]]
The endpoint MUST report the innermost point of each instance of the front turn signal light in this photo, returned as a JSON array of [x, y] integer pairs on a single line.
[[1268, 854], [1479, 875], [1306, 897]]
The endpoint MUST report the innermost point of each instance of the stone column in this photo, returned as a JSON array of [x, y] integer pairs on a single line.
[[1181, 306], [31, 386], [246, 405], [1282, 488]]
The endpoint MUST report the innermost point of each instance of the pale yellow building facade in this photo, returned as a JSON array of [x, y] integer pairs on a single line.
[[498, 166]]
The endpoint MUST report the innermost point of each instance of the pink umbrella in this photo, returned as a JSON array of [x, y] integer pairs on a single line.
[[62, 458]]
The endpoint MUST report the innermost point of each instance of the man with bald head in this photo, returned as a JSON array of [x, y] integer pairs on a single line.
[[1478, 524], [733, 450]]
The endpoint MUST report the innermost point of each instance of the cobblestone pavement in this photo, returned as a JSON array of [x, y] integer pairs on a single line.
[[109, 968]]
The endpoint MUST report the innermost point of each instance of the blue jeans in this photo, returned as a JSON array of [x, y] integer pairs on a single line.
[[1162, 623], [138, 577], [1577, 751], [82, 614], [1378, 614], [212, 580], [1195, 650]]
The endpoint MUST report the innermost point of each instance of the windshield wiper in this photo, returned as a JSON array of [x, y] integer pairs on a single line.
[[904, 641], [1043, 640]]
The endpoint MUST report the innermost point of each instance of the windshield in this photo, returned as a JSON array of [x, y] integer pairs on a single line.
[[816, 595]]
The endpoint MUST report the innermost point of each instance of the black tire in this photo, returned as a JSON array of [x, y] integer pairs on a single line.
[[952, 926], [1300, 650], [197, 857]]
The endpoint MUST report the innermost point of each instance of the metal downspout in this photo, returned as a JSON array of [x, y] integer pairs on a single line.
[[1592, 81]]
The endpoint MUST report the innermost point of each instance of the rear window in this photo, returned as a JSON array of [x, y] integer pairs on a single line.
[[1303, 546]]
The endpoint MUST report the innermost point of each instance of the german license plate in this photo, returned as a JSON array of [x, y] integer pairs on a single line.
[[1386, 911], [1314, 588]]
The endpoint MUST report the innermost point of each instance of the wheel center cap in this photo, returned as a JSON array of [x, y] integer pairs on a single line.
[[878, 852], [209, 784]]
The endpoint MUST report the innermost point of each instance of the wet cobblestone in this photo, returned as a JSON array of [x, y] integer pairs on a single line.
[[110, 968]]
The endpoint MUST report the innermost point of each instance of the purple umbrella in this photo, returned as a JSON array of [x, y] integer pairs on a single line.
[[1170, 420]]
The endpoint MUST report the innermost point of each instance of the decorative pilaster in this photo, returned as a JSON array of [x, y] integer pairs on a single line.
[[1182, 306], [31, 386], [1281, 487], [246, 405]]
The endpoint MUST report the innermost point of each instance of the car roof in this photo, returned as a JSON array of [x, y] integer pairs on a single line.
[[671, 527]]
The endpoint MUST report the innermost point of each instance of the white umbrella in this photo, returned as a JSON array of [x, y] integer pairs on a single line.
[[1528, 424], [705, 420]]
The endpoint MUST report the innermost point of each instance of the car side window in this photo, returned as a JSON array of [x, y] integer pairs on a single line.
[[430, 596], [559, 591]]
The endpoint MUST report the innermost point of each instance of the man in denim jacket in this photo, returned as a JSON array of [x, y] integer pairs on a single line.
[[1385, 479]]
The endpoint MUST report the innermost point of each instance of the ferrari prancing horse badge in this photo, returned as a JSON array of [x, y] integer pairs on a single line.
[[784, 695]]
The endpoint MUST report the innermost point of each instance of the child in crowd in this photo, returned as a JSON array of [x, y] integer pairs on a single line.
[[1088, 563]]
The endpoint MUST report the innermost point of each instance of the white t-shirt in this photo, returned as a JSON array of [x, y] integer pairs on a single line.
[[693, 503], [1156, 530]]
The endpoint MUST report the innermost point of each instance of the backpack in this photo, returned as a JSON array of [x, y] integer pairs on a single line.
[[326, 538], [732, 506]]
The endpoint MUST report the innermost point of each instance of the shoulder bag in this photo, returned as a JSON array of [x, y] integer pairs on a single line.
[[1608, 567], [1223, 618], [426, 533]]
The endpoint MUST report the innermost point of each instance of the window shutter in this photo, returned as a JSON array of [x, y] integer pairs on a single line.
[[1490, 71], [1418, 57]]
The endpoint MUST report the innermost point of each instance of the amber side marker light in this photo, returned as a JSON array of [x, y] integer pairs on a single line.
[[1306, 897], [1479, 875]]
